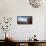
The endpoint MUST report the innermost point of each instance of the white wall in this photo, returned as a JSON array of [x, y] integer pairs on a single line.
[[14, 8]]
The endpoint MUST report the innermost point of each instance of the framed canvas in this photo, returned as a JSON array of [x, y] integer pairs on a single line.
[[24, 19]]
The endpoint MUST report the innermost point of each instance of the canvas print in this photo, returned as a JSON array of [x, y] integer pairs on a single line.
[[24, 19]]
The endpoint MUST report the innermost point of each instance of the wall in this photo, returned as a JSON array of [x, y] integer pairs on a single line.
[[14, 8]]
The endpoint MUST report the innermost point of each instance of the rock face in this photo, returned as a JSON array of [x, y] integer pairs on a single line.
[[35, 3]]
